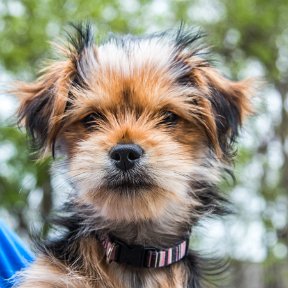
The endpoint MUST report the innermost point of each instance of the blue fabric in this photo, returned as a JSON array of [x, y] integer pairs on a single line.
[[13, 255]]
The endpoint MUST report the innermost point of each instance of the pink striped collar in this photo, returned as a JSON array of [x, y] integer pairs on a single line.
[[142, 256]]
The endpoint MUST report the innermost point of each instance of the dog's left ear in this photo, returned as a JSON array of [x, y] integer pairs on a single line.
[[230, 105], [43, 103]]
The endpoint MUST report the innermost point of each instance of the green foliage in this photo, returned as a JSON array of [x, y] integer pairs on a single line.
[[19, 174]]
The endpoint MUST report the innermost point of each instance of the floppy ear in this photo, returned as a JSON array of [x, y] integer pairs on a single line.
[[231, 104], [44, 102], [219, 105], [227, 104]]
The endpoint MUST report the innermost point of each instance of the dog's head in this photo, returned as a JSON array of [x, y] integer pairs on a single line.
[[145, 123]]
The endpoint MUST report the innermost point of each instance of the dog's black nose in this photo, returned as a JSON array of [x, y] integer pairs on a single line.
[[126, 155]]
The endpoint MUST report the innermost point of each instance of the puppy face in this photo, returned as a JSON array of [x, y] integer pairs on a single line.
[[145, 123]]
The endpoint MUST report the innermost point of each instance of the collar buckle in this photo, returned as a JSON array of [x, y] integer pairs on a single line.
[[134, 255]]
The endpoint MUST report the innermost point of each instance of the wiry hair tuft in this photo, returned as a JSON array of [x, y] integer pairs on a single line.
[[82, 36]]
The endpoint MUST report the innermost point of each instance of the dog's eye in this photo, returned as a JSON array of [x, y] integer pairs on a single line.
[[169, 118], [90, 121]]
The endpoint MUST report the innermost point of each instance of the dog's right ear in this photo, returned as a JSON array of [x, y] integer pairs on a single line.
[[43, 103]]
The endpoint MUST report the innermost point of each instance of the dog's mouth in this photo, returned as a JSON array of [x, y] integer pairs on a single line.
[[129, 181]]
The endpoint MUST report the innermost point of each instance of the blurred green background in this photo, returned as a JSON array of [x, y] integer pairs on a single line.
[[248, 38]]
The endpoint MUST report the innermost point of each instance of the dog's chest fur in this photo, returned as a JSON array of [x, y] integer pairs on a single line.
[[90, 270]]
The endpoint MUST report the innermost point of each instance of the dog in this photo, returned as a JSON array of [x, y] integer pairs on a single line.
[[143, 128]]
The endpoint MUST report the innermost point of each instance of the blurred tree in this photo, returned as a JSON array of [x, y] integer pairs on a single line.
[[263, 35], [251, 38]]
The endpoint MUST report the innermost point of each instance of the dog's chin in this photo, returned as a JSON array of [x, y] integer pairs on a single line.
[[128, 187], [131, 182]]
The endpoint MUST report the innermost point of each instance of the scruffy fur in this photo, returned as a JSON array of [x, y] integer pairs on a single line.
[[160, 92]]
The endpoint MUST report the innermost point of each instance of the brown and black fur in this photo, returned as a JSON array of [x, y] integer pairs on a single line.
[[160, 92]]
